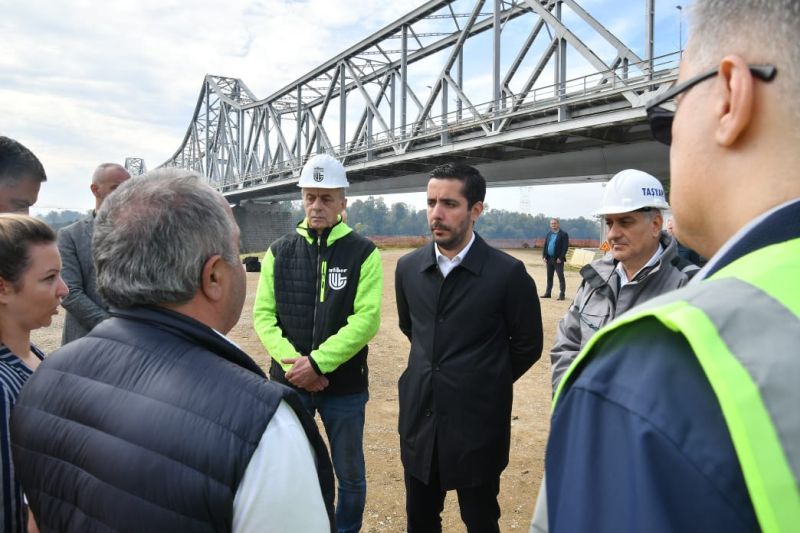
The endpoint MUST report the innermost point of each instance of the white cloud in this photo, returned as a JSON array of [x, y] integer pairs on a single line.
[[89, 81]]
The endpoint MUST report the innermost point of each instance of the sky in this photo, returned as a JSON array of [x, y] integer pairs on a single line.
[[84, 81]]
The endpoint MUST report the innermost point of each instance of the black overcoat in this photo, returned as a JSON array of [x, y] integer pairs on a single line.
[[472, 335]]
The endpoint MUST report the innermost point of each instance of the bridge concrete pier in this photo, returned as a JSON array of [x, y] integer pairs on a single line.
[[261, 223]]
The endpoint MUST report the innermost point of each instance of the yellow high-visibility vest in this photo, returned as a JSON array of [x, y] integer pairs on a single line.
[[743, 325]]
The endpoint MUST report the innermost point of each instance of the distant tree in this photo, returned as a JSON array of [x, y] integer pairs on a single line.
[[60, 219], [372, 217]]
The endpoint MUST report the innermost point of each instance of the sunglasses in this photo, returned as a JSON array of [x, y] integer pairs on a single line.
[[661, 118]]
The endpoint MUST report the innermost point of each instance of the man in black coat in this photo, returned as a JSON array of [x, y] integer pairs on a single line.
[[472, 315], [554, 254]]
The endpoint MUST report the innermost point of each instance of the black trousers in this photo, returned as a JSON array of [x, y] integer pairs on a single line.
[[554, 266], [425, 501]]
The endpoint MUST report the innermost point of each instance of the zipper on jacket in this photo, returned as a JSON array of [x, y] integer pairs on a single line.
[[321, 272], [316, 300], [323, 276]]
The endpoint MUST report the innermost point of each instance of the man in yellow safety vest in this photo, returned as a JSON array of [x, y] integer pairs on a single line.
[[682, 414]]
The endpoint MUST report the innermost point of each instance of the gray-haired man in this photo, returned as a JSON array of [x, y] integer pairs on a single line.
[[155, 421], [682, 415]]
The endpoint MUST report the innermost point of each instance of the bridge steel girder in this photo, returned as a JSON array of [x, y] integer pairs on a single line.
[[247, 147]]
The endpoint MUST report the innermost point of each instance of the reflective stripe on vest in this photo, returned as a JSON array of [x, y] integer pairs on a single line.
[[743, 325]]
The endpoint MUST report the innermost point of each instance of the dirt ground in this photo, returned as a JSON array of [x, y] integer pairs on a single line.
[[385, 510]]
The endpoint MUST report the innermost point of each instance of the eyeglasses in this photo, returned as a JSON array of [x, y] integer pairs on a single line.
[[661, 118]]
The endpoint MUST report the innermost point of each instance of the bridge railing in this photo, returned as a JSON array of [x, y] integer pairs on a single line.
[[542, 100], [368, 104]]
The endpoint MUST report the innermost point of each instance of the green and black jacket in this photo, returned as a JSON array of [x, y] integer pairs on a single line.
[[320, 295]]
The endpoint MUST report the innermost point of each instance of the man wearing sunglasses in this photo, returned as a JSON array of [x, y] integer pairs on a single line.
[[682, 414]]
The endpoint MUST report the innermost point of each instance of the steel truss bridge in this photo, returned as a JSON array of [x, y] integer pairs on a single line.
[[510, 86]]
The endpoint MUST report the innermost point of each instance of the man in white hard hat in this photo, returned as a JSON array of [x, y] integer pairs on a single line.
[[317, 306], [682, 415], [642, 263]]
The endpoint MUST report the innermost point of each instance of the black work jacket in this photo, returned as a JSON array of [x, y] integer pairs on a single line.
[[472, 335]]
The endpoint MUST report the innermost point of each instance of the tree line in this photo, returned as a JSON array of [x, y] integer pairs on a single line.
[[372, 217], [59, 219]]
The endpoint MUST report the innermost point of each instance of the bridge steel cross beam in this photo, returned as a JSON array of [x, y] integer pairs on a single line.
[[486, 81], [135, 166]]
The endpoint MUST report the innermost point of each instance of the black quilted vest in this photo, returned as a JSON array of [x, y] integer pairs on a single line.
[[146, 424], [305, 320]]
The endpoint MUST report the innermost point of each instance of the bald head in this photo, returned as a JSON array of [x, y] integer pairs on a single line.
[[735, 135], [106, 178]]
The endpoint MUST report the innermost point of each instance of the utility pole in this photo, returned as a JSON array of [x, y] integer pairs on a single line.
[[680, 28]]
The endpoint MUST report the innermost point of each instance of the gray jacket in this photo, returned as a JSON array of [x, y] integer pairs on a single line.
[[85, 308], [599, 300]]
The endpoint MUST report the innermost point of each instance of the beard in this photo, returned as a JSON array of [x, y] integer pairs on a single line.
[[455, 238]]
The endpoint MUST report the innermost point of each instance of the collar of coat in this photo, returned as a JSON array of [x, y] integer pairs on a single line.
[[474, 260], [329, 235], [599, 272], [191, 330]]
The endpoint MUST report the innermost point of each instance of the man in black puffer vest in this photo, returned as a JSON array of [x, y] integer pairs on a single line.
[[318, 304], [155, 421]]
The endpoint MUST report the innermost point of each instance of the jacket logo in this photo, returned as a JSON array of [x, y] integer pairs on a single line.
[[319, 174], [337, 278]]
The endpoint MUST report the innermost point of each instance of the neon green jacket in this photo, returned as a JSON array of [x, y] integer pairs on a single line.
[[751, 362], [320, 295]]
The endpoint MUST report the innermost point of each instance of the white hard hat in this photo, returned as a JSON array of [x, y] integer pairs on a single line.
[[630, 190], [323, 172]]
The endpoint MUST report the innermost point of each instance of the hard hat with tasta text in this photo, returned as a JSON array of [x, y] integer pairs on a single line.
[[630, 190]]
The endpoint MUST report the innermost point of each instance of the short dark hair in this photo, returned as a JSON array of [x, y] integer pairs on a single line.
[[474, 189], [17, 234], [17, 162]]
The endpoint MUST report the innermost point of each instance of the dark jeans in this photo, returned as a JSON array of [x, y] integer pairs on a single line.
[[343, 418], [425, 501], [553, 266]]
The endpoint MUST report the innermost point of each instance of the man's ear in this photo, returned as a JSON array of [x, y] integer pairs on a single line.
[[476, 211], [94, 187], [734, 99], [658, 223], [211, 278]]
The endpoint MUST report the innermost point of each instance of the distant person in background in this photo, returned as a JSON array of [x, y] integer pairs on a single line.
[[85, 308], [155, 421], [684, 252], [554, 254], [31, 289], [643, 263], [21, 175]]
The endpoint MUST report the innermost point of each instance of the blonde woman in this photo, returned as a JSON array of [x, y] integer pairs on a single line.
[[31, 290]]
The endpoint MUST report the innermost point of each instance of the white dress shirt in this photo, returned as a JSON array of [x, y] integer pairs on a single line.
[[446, 265], [280, 490]]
